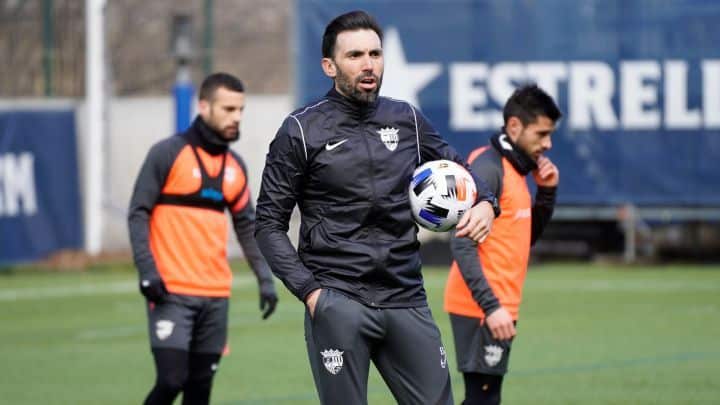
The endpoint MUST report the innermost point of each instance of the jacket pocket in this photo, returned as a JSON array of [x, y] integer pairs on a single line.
[[396, 221], [338, 226]]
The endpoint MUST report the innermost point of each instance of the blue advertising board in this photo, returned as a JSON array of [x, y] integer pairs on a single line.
[[638, 82], [39, 198]]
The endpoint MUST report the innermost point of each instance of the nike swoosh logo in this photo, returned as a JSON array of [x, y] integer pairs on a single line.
[[331, 146]]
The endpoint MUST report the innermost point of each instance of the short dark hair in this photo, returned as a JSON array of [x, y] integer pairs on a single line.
[[216, 80], [352, 21], [528, 103]]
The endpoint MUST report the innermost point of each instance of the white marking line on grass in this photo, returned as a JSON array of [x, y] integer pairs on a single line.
[[621, 364], [625, 285], [608, 285], [110, 288], [35, 293], [111, 333]]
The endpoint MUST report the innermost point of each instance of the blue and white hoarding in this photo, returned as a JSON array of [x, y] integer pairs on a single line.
[[638, 82], [39, 193]]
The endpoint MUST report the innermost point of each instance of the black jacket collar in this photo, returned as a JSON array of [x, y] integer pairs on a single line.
[[352, 107], [520, 160], [201, 135]]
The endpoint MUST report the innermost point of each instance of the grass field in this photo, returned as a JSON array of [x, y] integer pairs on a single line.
[[588, 334]]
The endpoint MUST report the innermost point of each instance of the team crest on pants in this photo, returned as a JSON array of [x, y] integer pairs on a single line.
[[333, 360], [493, 355], [163, 329]]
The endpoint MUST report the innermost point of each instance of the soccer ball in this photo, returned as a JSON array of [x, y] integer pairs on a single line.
[[440, 193]]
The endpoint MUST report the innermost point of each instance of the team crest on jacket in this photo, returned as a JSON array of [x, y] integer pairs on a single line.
[[493, 354], [333, 360], [389, 136]]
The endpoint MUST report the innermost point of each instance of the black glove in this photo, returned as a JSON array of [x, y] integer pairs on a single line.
[[268, 298], [153, 289]]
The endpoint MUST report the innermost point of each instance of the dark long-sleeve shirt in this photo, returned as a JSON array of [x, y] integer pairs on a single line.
[[490, 275], [176, 219]]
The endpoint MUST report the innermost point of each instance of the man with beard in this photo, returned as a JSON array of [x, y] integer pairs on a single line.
[[346, 161], [178, 232], [484, 287]]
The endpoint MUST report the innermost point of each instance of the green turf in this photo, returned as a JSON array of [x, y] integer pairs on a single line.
[[588, 334]]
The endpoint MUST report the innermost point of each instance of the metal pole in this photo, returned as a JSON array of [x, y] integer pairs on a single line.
[[208, 38], [48, 46], [94, 107], [182, 49], [629, 219], [183, 95]]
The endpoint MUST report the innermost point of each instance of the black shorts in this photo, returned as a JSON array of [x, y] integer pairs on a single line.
[[193, 324], [476, 350]]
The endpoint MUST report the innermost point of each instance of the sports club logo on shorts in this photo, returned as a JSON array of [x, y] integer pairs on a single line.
[[389, 136], [493, 355], [163, 329], [333, 360]]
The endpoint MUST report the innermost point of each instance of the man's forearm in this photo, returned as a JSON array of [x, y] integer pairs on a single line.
[[285, 262], [464, 252]]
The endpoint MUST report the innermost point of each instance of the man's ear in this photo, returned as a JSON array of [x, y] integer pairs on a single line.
[[204, 108], [513, 128], [329, 67]]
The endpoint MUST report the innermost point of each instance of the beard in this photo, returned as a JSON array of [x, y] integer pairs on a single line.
[[349, 87], [231, 134], [527, 148], [228, 133]]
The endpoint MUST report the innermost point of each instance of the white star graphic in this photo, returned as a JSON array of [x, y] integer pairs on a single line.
[[403, 80]]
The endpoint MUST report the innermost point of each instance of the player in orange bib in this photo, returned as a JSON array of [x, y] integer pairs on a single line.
[[484, 287], [178, 231]]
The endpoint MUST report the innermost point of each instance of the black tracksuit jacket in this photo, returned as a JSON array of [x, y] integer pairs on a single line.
[[347, 166]]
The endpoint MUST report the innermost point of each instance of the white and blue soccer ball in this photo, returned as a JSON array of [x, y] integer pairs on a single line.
[[440, 193]]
